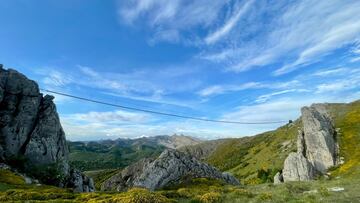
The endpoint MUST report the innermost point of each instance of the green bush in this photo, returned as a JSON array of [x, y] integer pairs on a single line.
[[138, 195], [50, 174]]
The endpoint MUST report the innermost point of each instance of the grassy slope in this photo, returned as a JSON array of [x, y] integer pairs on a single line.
[[245, 156], [196, 191], [99, 176], [347, 118]]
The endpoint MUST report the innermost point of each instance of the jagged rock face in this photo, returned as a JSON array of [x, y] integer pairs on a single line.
[[17, 93], [297, 168], [125, 179], [47, 143], [29, 124], [319, 136], [169, 168], [317, 149]]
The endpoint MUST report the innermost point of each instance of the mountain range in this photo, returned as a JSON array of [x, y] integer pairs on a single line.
[[119, 153]]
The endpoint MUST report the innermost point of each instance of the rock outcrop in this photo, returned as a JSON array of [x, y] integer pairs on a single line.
[[171, 167], [320, 137], [79, 182], [30, 128], [317, 148]]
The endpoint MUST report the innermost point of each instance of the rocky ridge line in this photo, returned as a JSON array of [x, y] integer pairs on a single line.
[[169, 168]]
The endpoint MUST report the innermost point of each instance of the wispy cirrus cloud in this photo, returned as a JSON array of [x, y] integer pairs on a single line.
[[329, 72], [229, 24], [266, 97], [135, 85], [170, 20], [222, 89], [243, 35], [232, 88], [115, 117]]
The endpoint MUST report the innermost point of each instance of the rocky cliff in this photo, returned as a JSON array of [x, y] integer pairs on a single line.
[[171, 167], [31, 136], [317, 148]]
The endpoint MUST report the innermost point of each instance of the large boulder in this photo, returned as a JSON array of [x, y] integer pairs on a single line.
[[171, 167], [30, 129], [297, 168]]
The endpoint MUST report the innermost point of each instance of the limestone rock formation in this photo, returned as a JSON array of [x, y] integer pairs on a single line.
[[125, 179], [317, 148], [320, 137], [169, 168], [297, 168], [30, 128]]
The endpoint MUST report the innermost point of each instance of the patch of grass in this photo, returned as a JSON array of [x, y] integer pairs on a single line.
[[99, 176], [10, 178]]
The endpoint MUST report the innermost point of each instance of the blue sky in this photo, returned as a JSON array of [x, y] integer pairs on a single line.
[[222, 59]]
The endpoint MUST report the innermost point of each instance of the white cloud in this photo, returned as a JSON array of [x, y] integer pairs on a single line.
[[167, 18], [331, 72], [343, 29], [108, 117], [349, 82], [225, 89], [266, 97], [135, 85], [228, 25], [355, 59], [294, 35], [56, 78], [355, 52], [258, 33], [221, 89]]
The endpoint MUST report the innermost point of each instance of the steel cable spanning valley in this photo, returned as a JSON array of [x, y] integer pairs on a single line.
[[161, 113]]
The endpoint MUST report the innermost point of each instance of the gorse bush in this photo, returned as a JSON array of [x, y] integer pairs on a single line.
[[138, 195], [265, 196], [39, 194], [211, 197]]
